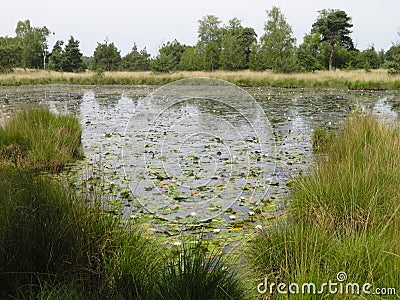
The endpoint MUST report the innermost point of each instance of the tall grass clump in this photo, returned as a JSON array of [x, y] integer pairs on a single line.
[[195, 273], [37, 139], [52, 242], [357, 189], [345, 216]]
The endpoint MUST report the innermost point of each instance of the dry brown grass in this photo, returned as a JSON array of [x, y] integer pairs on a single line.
[[356, 79]]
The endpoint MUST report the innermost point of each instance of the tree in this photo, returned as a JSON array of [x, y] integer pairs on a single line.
[[334, 27], [310, 54], [209, 30], [247, 38], [106, 57], [392, 59], [236, 45], [169, 57], [257, 58], [368, 59], [72, 57], [33, 42], [136, 60], [232, 55], [56, 56], [9, 54], [69, 59], [278, 43], [190, 60], [211, 56], [343, 58]]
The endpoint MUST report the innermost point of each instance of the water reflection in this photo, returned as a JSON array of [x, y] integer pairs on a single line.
[[104, 113]]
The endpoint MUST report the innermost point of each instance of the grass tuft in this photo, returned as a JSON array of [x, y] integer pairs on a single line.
[[195, 273], [52, 242], [39, 140], [345, 216]]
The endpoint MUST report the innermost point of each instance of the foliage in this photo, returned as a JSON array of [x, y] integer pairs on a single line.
[[68, 59], [33, 41], [392, 60], [72, 58], [229, 46], [10, 52], [136, 60], [277, 45], [37, 139], [232, 55], [334, 27], [209, 30], [169, 57], [310, 53], [236, 43], [247, 37], [367, 59], [106, 57], [211, 56], [56, 57], [190, 59]]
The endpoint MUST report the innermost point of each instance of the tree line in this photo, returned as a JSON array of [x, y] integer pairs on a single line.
[[219, 46]]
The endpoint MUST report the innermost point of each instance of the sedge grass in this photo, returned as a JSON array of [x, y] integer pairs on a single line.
[[52, 242], [344, 217], [195, 273], [54, 245], [39, 140], [355, 79], [357, 189]]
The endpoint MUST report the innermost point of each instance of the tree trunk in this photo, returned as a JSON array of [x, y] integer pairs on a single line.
[[331, 58]]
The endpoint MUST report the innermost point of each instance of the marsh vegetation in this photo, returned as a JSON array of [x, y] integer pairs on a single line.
[[80, 234], [353, 80]]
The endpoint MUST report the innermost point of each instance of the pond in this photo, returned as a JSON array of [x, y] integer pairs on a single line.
[[216, 155]]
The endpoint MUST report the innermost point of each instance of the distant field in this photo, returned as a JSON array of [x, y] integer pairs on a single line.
[[358, 79]]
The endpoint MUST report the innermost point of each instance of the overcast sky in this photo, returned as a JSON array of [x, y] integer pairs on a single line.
[[150, 23]]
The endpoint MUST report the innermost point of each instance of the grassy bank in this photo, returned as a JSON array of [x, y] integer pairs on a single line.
[[57, 242], [55, 245], [358, 79], [39, 140], [345, 217]]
